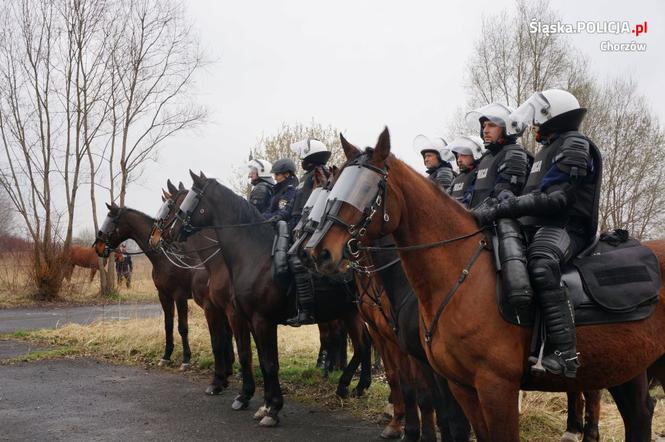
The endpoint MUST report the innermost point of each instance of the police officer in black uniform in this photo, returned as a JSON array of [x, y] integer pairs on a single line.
[[437, 159], [467, 150], [559, 209], [284, 191], [262, 183], [314, 155]]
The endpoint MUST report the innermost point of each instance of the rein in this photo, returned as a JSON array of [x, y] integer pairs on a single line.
[[422, 246], [428, 331]]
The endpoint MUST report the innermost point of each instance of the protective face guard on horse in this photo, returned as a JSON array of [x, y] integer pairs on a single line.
[[311, 218], [184, 215], [363, 186], [104, 234]]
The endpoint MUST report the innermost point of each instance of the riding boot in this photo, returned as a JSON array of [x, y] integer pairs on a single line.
[[512, 254], [305, 296], [560, 325]]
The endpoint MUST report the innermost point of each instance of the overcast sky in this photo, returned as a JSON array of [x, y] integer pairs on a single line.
[[357, 65]]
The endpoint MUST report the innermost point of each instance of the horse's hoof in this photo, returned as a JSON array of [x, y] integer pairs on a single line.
[[261, 412], [391, 433], [214, 390], [269, 421], [410, 438], [342, 392], [185, 366], [239, 404], [358, 392], [164, 363], [569, 437]]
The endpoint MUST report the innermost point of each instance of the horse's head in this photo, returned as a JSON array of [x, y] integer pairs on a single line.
[[183, 212], [361, 206], [112, 232]]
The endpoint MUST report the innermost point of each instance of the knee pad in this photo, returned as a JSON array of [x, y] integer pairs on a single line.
[[545, 274], [551, 243]]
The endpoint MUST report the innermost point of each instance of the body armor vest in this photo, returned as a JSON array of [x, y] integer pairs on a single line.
[[461, 184], [582, 216], [486, 174]]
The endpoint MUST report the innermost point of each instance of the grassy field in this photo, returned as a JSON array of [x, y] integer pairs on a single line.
[[140, 342], [15, 289]]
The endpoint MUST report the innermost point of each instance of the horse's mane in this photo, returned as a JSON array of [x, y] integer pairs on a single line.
[[234, 203], [134, 211], [433, 191]]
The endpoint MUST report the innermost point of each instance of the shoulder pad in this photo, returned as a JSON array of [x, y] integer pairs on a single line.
[[515, 166], [573, 156]]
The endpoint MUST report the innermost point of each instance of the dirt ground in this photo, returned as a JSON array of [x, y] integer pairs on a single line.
[[82, 399]]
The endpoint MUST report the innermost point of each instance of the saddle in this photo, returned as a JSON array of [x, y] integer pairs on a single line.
[[616, 279]]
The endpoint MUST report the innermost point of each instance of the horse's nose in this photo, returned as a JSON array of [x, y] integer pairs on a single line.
[[324, 261]]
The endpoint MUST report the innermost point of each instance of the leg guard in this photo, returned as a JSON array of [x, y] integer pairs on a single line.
[[512, 254], [280, 247], [304, 293], [550, 247]]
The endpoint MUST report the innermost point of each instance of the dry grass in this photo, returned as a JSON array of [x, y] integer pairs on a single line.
[[16, 289], [141, 342]]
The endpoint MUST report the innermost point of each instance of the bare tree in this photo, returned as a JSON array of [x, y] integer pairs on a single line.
[[509, 62], [276, 146], [154, 56]]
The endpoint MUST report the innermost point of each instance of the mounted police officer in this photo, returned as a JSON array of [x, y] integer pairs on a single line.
[[501, 173], [262, 183], [314, 155], [559, 209], [284, 191], [467, 150], [438, 160]]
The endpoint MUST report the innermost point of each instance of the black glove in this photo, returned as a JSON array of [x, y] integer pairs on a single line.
[[484, 214]]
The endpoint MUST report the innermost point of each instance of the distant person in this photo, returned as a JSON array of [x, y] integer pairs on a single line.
[[437, 159], [123, 265]]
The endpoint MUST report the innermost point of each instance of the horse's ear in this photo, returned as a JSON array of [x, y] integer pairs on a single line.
[[335, 171], [165, 195], [202, 175], [181, 186], [171, 187], [163, 199], [195, 178], [382, 149], [108, 206], [350, 150]]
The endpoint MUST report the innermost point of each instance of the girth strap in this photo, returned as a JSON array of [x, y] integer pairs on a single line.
[[430, 330]]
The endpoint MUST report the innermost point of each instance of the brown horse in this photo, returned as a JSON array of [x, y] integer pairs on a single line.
[[468, 341], [82, 257], [175, 285]]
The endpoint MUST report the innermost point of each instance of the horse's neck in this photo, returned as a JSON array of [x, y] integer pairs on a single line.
[[140, 226], [428, 216], [242, 248]]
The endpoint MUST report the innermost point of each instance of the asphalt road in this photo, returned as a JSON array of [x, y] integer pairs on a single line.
[[12, 320], [86, 400]]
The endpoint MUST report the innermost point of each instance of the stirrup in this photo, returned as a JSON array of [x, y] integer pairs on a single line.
[[558, 364]]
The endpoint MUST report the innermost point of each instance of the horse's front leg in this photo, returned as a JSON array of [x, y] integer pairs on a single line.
[[243, 342], [498, 401], [265, 337], [167, 306], [217, 322], [183, 329]]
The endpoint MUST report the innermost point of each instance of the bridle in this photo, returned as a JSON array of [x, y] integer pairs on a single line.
[[357, 230]]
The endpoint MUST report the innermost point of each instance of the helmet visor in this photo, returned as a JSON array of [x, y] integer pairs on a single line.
[[535, 110], [357, 185], [494, 112]]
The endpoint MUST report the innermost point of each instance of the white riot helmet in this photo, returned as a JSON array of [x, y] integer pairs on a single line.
[[497, 113], [468, 145], [437, 145], [311, 151], [553, 110], [262, 167]]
